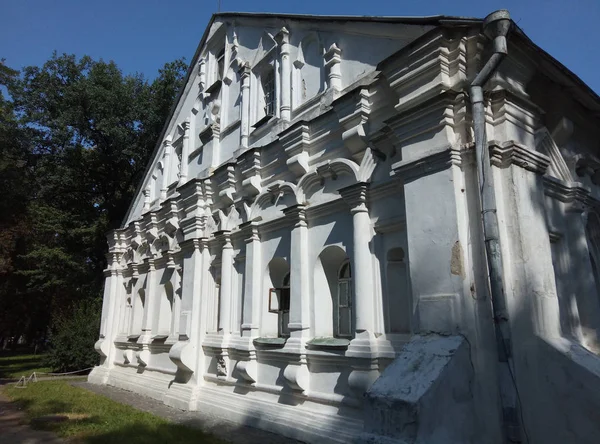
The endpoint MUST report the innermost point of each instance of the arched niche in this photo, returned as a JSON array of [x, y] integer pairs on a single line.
[[124, 323], [165, 312], [214, 298], [138, 312], [308, 75], [270, 203], [322, 184], [157, 181], [232, 97], [397, 304], [326, 281], [175, 161]]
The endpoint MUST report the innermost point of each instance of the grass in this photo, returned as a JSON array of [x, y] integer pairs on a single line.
[[14, 365], [85, 417]]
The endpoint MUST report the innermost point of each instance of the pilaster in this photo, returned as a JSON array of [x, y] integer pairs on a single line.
[[185, 151], [283, 39], [333, 61], [168, 147], [149, 307], [247, 366], [245, 117], [252, 288], [226, 280], [299, 324], [362, 271]]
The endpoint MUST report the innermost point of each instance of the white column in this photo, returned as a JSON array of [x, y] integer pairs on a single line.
[[226, 273], [362, 262], [252, 286], [245, 122], [166, 167], [176, 313], [185, 151], [332, 63], [150, 304], [299, 324], [286, 79], [105, 344], [185, 352], [202, 74]]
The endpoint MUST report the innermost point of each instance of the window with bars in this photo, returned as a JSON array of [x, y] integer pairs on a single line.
[[343, 309], [279, 302], [268, 85]]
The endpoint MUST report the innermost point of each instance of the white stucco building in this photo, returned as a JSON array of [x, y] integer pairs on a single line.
[[311, 221]]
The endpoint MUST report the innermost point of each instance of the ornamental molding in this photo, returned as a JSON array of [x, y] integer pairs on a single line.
[[575, 195], [512, 153], [431, 163]]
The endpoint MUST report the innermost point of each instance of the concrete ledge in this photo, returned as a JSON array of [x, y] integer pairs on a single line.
[[424, 396]]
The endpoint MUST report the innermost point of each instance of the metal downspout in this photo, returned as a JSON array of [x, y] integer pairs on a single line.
[[495, 27]]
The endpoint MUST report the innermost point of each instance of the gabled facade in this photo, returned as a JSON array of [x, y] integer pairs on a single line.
[[311, 217]]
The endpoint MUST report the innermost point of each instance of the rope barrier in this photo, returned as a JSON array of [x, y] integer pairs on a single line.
[[66, 373], [23, 381]]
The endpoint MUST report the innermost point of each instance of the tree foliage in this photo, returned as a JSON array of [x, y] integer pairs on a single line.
[[72, 338], [75, 137]]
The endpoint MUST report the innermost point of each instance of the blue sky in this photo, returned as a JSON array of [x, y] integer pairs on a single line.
[[140, 36]]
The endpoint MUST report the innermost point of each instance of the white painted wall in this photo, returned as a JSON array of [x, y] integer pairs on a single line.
[[309, 195]]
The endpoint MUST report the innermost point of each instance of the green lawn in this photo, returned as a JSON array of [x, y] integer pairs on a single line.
[[14, 365], [85, 417]]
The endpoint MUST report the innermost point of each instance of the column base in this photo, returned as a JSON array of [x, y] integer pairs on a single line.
[[364, 345], [99, 375], [182, 396]]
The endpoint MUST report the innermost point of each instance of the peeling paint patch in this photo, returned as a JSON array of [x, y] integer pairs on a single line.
[[456, 261]]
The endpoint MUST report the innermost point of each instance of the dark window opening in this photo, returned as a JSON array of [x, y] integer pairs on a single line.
[[268, 84], [279, 302], [343, 309], [220, 64]]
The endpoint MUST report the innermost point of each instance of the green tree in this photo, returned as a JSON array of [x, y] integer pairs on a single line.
[[79, 133]]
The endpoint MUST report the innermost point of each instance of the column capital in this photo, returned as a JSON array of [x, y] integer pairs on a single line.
[[283, 37], [296, 213], [225, 237], [356, 196], [245, 74], [185, 125], [151, 265], [250, 231], [333, 55]]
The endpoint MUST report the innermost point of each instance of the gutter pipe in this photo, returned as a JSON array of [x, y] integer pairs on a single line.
[[496, 27]]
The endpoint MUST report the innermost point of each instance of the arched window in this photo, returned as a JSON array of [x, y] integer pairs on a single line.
[[279, 302], [397, 311], [342, 311]]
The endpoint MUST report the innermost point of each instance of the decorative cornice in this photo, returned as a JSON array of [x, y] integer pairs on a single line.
[[390, 225], [512, 153], [296, 142], [431, 163], [574, 194]]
